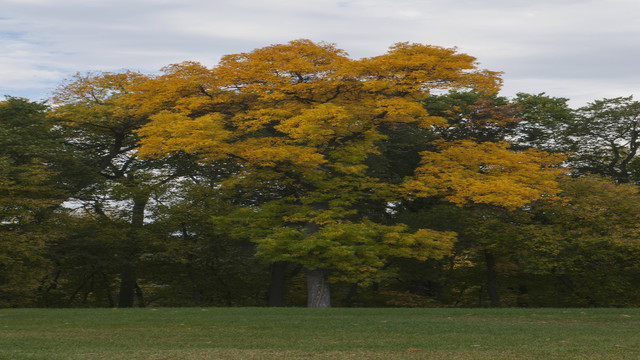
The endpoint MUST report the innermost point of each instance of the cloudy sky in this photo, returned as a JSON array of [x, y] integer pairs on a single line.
[[579, 49]]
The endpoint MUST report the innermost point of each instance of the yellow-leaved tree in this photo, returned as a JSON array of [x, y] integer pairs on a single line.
[[302, 118]]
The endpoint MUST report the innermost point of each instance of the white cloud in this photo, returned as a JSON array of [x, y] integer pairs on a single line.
[[564, 44]]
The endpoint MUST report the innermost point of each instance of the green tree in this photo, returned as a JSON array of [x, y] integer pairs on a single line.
[[83, 273], [194, 260], [112, 183], [543, 122], [590, 243], [28, 194], [604, 139]]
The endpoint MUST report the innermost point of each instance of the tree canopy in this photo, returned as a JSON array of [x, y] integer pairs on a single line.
[[294, 174], [307, 116]]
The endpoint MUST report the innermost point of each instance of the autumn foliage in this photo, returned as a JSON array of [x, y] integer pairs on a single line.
[[311, 116], [402, 175]]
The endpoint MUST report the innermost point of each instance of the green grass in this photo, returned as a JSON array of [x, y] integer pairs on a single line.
[[297, 333]]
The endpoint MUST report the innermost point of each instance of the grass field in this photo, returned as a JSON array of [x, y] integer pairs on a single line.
[[297, 333]]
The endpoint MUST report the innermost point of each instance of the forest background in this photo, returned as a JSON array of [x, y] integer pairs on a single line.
[[293, 175]]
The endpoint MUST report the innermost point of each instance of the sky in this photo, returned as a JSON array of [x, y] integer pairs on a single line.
[[582, 50]]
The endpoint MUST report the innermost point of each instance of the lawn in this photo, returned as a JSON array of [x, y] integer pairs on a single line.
[[298, 333]]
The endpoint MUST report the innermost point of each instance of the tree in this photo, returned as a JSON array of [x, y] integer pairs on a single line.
[[28, 193], [590, 242], [604, 139], [194, 260], [472, 165], [542, 122], [28, 146], [81, 251], [112, 182], [305, 117]]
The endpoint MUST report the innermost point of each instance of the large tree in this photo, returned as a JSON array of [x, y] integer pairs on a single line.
[[479, 161], [111, 182], [305, 117]]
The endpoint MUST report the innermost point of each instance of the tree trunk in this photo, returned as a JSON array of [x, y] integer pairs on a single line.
[[126, 296], [107, 292], [318, 294], [128, 278], [492, 282], [278, 282]]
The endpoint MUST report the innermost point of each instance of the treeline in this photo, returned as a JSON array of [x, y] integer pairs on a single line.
[[293, 175]]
